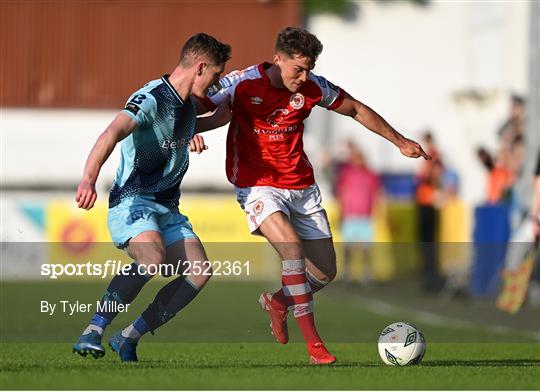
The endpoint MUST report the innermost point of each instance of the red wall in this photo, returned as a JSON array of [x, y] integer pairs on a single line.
[[94, 54]]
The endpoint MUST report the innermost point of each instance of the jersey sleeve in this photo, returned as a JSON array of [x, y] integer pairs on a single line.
[[224, 93], [331, 95], [141, 107]]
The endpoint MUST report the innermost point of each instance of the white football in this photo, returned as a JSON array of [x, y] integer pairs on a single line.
[[401, 344]]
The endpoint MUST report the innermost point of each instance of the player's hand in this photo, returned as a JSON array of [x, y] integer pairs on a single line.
[[412, 149], [197, 144], [86, 195]]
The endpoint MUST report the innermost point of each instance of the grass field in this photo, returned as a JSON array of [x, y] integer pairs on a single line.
[[269, 366], [222, 342]]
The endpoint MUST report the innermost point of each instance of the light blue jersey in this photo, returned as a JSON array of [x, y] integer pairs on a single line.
[[155, 157]]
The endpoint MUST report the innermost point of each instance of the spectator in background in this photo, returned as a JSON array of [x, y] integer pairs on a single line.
[[500, 179], [485, 158], [357, 188], [501, 174], [515, 123], [425, 167], [516, 156], [429, 197], [534, 289], [535, 208], [521, 274]]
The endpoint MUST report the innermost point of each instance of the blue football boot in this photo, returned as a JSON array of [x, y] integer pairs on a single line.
[[125, 347], [89, 344]]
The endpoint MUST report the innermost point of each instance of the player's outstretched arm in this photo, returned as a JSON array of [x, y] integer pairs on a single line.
[[119, 128], [221, 116], [375, 123]]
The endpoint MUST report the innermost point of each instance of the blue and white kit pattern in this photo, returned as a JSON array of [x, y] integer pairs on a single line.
[[155, 157]]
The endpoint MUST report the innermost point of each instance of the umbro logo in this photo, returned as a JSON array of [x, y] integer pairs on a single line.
[[256, 100]]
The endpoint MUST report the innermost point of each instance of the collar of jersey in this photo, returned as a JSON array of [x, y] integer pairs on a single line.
[[165, 79], [265, 77]]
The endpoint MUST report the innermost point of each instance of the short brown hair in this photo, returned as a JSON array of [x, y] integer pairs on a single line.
[[202, 44], [298, 41]]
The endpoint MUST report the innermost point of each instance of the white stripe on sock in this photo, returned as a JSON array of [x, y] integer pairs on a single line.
[[293, 267], [314, 281], [296, 289], [93, 327], [131, 332]]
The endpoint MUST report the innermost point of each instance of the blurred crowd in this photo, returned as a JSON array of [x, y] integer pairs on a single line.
[[503, 165], [359, 192]]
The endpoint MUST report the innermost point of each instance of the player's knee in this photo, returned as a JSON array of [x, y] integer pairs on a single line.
[[153, 257], [200, 276], [324, 277], [205, 271]]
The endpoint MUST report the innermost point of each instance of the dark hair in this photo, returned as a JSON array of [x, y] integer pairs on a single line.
[[428, 136], [518, 99], [202, 44], [297, 41]]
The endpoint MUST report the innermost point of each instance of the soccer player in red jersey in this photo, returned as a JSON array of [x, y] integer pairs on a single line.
[[273, 177]]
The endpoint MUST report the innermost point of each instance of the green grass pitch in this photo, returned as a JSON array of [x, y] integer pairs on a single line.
[[222, 342]]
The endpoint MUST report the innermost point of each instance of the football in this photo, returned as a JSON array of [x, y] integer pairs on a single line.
[[401, 344]]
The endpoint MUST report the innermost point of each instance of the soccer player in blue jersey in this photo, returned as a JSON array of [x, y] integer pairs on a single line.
[[156, 127]]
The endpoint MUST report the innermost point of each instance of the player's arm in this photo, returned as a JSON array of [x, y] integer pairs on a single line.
[[221, 116], [375, 123], [200, 107], [119, 128]]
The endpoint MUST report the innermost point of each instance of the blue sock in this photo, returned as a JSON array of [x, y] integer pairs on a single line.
[[122, 290], [100, 321], [169, 300], [141, 326]]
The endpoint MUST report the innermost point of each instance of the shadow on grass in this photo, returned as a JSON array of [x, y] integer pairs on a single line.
[[189, 365], [483, 362], [178, 365]]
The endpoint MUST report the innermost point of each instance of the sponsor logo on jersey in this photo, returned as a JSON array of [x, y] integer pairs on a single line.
[[297, 101], [256, 100], [276, 131], [168, 144]]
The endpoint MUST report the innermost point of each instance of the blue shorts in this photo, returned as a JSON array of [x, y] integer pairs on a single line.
[[357, 229], [134, 216]]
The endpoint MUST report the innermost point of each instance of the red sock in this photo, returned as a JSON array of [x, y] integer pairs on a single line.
[[296, 293], [278, 298]]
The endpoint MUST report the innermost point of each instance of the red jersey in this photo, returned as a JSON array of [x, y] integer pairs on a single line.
[[264, 142]]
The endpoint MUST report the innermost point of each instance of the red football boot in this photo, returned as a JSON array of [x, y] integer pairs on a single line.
[[278, 318], [319, 355]]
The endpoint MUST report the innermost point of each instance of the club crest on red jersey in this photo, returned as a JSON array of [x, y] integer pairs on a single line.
[[297, 101]]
